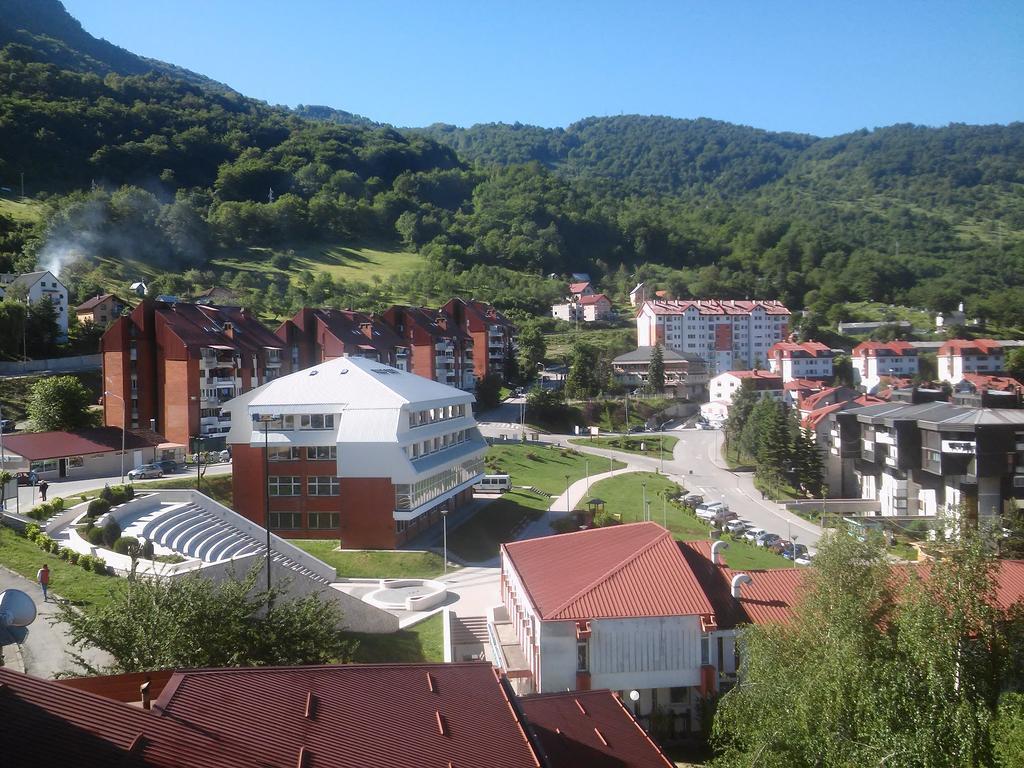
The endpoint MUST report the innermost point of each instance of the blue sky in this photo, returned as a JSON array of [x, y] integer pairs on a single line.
[[817, 67]]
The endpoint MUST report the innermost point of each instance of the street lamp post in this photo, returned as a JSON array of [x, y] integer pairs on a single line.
[[265, 419], [444, 526], [586, 463], [643, 484], [568, 506], [124, 425]]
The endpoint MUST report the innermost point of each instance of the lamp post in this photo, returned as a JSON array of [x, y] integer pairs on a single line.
[[444, 528], [124, 425], [265, 419], [200, 439], [568, 506], [586, 463], [643, 484]]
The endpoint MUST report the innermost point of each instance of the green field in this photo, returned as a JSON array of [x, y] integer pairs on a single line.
[[67, 581], [653, 445], [623, 496], [544, 467], [217, 487], [615, 341], [23, 210], [351, 263], [421, 642], [374, 565], [742, 555]]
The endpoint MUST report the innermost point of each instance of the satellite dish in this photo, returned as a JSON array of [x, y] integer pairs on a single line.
[[16, 608], [634, 695]]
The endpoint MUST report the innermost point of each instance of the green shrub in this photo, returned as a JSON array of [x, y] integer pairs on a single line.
[[98, 507], [65, 553], [147, 549], [603, 519], [32, 531], [73, 556], [41, 511], [111, 532], [565, 524], [57, 504], [99, 565], [95, 537], [85, 561], [128, 545], [107, 494]]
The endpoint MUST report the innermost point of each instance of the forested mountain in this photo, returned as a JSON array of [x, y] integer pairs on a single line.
[[139, 163]]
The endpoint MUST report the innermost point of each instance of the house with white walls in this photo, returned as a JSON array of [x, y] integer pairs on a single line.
[[36, 287], [800, 360], [874, 359], [962, 356]]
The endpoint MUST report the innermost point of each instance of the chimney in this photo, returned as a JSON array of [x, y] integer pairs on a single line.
[[229, 330], [144, 691], [367, 329], [737, 581], [717, 547]]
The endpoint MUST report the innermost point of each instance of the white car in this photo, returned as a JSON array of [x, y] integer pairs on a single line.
[[752, 534], [737, 526]]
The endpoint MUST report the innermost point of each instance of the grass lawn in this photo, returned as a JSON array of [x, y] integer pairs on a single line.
[[68, 581], [652, 445], [22, 210], [420, 642], [614, 340], [351, 263], [544, 467], [478, 538], [373, 565], [743, 554], [217, 487], [623, 496]]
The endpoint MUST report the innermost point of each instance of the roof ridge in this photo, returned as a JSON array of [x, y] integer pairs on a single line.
[[609, 573]]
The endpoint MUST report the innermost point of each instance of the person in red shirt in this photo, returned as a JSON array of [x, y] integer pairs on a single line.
[[43, 577]]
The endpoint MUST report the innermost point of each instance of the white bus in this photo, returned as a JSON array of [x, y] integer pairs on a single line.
[[494, 484]]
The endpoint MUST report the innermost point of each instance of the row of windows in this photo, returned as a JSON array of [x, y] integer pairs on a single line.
[[294, 453], [303, 421], [291, 485], [291, 521], [416, 450], [432, 415]]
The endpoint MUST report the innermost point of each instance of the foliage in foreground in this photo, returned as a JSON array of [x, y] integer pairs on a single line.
[[876, 670], [191, 621]]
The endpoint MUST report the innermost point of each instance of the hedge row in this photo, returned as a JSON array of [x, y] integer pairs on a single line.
[[45, 543]]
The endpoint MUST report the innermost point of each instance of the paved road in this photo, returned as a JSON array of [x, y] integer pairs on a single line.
[[41, 649]]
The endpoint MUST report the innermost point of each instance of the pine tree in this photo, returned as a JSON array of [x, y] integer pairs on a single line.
[[743, 403], [656, 370], [808, 465]]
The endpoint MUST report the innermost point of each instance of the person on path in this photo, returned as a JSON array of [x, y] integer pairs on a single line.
[[43, 577], [43, 485]]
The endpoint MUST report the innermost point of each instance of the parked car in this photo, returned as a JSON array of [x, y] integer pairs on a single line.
[[8, 425], [692, 500], [751, 534], [779, 546], [634, 430], [27, 478], [145, 472], [767, 539], [800, 552], [804, 560], [225, 455], [168, 466], [737, 526]]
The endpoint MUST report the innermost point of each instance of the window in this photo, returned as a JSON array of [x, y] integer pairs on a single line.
[[284, 485], [323, 485], [582, 656], [285, 521], [677, 695], [288, 453], [705, 650], [324, 520], [316, 421], [322, 452]]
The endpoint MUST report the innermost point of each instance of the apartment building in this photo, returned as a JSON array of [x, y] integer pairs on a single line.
[[958, 357], [493, 335], [873, 360], [37, 286], [800, 360], [728, 334], [314, 336], [439, 348], [171, 365], [353, 450], [685, 375], [724, 386]]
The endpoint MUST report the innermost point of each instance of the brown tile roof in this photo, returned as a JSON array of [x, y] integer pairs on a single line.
[[621, 571], [812, 348], [590, 728], [970, 347], [874, 348], [984, 383], [36, 446], [579, 287], [204, 325], [595, 298], [95, 301]]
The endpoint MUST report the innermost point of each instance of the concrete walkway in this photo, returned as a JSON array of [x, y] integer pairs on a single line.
[[561, 506], [42, 648]]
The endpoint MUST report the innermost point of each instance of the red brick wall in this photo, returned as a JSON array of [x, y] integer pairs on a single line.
[[367, 520], [179, 418], [248, 482]]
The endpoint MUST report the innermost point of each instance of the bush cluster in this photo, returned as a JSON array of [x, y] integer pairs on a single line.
[[117, 494], [47, 509], [90, 563]]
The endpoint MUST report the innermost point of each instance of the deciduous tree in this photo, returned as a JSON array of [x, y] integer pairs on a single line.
[[61, 403]]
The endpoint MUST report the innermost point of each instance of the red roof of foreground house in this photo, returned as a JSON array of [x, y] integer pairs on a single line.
[[877, 348], [762, 380], [970, 347], [95, 301], [37, 446], [590, 728], [621, 571], [800, 385], [982, 383], [594, 299], [812, 419], [575, 288], [789, 348], [715, 306]]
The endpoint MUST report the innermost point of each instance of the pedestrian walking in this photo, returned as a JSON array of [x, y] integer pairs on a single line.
[[43, 485], [43, 577]]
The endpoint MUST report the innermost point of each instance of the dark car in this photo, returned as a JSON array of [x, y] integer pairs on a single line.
[[634, 430], [767, 539], [8, 425], [27, 478], [801, 551], [168, 466]]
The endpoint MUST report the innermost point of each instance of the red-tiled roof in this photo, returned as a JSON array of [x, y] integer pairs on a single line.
[[809, 385], [621, 571], [37, 446], [594, 299], [812, 419], [787, 348], [970, 347], [592, 729], [874, 348], [95, 301], [715, 306], [204, 325], [382, 715], [575, 288], [983, 383]]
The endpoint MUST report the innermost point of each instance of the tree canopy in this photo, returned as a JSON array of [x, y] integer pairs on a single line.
[[61, 403]]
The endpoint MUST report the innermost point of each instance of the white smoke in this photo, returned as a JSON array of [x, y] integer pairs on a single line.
[[76, 235]]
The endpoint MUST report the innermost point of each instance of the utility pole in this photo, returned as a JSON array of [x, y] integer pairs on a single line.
[[23, 184]]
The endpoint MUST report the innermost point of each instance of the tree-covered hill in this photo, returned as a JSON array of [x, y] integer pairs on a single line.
[[140, 164]]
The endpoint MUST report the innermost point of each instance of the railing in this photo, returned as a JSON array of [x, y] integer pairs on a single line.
[[497, 651]]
